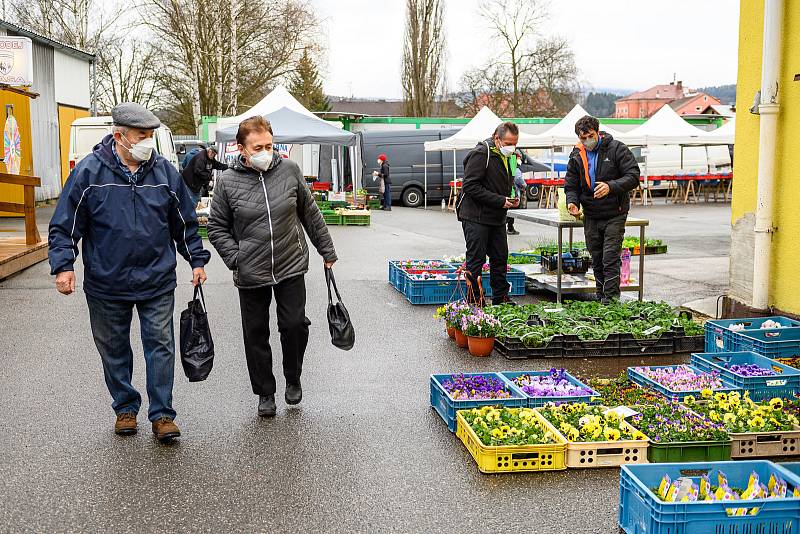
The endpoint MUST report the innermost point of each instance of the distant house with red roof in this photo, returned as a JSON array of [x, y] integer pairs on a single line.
[[684, 101], [695, 104]]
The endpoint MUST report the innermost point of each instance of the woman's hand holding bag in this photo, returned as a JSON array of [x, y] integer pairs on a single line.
[[342, 334]]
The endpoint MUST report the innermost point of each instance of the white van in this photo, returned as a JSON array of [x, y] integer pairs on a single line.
[[86, 132]]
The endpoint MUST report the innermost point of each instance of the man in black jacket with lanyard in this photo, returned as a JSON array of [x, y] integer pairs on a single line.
[[600, 175], [197, 174], [482, 208]]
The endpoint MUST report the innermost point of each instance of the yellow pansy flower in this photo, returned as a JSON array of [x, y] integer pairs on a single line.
[[689, 400], [611, 434], [776, 404], [706, 393]]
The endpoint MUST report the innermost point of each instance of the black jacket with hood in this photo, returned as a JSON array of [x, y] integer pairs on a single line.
[[616, 166], [257, 222], [487, 184]]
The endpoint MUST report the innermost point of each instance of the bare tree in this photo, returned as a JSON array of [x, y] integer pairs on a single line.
[[423, 51], [266, 42], [79, 23], [489, 86], [124, 75], [516, 23], [555, 71]]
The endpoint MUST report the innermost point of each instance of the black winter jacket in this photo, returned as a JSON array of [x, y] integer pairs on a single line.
[[487, 184], [197, 174], [257, 221], [384, 173], [616, 166]]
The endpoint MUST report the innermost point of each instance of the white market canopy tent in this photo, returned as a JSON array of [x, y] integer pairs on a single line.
[[725, 133], [479, 128], [292, 123], [277, 99], [290, 127], [666, 127], [563, 132]]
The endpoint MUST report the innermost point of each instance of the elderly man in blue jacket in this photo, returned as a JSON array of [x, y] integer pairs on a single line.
[[131, 210]]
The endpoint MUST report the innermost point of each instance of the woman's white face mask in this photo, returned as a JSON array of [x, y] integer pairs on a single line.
[[260, 161]]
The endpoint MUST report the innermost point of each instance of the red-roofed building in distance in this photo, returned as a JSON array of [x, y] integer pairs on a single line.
[[684, 101], [695, 104]]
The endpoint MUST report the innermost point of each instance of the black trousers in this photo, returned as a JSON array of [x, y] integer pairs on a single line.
[[604, 241], [483, 240], [290, 299]]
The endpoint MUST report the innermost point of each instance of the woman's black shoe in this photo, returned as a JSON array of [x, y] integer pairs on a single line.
[[266, 406], [294, 393]]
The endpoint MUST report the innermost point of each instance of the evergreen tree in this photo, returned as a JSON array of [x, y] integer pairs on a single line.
[[306, 86]]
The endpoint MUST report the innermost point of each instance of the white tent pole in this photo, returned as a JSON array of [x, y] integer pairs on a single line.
[[455, 175], [646, 192], [356, 181], [425, 193]]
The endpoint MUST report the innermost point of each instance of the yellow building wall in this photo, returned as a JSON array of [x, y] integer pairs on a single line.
[[785, 276], [66, 115], [22, 112]]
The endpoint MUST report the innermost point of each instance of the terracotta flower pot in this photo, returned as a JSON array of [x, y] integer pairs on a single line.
[[451, 332], [461, 339], [480, 346]]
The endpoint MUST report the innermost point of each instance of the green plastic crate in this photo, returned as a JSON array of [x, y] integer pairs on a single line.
[[332, 220], [689, 451], [356, 220]]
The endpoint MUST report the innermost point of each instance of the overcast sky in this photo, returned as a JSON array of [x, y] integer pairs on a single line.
[[630, 44]]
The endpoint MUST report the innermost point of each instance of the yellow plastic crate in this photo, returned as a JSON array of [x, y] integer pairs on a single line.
[[584, 454], [514, 458]]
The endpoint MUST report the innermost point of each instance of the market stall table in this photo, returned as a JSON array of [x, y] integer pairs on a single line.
[[575, 283]]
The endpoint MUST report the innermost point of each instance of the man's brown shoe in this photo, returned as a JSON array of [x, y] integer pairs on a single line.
[[165, 429], [126, 424]]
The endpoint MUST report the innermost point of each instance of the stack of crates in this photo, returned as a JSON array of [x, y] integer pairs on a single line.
[[721, 338]]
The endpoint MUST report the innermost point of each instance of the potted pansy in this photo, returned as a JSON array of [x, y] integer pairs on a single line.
[[480, 329], [451, 313]]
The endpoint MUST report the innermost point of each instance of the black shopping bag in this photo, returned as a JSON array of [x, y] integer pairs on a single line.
[[197, 347], [342, 334]]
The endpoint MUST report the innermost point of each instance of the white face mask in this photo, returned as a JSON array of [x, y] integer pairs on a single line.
[[508, 150], [142, 150], [261, 161]]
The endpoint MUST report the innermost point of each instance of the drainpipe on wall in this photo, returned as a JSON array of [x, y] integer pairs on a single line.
[[768, 110]]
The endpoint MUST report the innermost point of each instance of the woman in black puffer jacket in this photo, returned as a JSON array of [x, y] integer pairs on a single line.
[[260, 210]]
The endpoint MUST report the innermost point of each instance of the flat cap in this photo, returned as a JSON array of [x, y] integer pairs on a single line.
[[134, 115]]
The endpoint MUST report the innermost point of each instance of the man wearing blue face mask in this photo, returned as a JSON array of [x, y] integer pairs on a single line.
[[600, 175], [486, 197], [131, 210]]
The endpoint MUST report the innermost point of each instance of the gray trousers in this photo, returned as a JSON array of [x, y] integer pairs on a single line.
[[604, 241]]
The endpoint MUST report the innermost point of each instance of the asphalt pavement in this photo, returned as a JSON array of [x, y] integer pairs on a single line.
[[364, 452]]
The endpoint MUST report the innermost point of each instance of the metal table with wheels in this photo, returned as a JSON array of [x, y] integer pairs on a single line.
[[577, 284]]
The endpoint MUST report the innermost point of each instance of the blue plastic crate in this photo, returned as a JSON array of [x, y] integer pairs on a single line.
[[515, 277], [640, 379], [792, 467], [642, 512], [447, 407], [785, 383], [777, 343], [720, 338], [434, 291], [395, 275], [535, 402]]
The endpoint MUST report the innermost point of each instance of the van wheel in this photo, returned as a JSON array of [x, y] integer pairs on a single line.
[[533, 192], [412, 197]]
